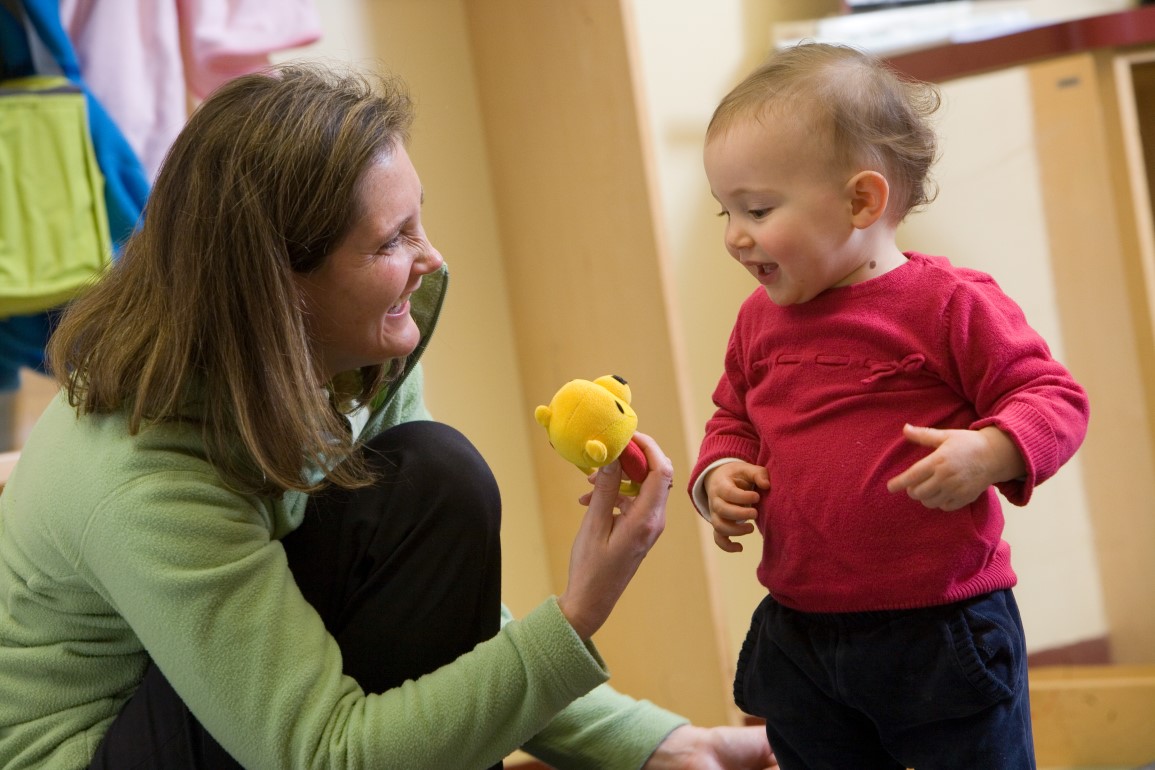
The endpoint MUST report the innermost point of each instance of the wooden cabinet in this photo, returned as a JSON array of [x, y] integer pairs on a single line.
[[1099, 219]]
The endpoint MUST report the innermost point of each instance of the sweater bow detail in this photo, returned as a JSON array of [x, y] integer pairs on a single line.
[[883, 369]]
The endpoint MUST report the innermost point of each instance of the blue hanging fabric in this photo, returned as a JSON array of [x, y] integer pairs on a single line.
[[22, 340]]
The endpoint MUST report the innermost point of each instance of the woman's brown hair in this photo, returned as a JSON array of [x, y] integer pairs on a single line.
[[200, 318]]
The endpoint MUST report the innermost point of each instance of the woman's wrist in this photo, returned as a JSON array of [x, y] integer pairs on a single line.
[[676, 749], [574, 617]]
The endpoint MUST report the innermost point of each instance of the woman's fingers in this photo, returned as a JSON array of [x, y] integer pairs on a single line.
[[609, 548]]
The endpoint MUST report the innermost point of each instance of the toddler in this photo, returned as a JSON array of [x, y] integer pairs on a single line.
[[872, 403]]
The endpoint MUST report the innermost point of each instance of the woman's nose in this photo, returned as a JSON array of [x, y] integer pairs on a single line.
[[430, 260]]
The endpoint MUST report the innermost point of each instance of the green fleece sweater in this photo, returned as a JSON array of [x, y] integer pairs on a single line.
[[115, 548]]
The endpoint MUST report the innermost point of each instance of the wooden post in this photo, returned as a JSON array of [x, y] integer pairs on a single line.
[[588, 281]]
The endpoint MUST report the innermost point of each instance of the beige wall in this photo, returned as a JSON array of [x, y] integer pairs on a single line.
[[681, 89]]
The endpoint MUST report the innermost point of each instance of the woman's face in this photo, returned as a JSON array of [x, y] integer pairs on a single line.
[[357, 301]]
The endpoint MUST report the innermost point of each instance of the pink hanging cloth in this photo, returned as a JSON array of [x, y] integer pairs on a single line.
[[147, 60]]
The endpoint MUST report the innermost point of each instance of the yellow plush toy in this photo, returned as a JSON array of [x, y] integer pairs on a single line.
[[591, 424]]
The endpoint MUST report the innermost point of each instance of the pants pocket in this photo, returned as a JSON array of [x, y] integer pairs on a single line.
[[939, 664], [988, 642], [745, 656]]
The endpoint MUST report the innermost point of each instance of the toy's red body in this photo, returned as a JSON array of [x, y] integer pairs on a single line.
[[634, 464]]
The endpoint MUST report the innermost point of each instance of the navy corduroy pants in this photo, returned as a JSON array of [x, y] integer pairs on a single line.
[[940, 688]]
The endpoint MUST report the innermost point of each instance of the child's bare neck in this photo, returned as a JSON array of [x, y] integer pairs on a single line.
[[886, 260], [876, 262]]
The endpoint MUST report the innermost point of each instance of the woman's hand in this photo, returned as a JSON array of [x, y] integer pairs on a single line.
[[713, 748], [609, 548]]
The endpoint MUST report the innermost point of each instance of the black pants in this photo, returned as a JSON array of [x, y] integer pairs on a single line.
[[406, 575], [938, 688]]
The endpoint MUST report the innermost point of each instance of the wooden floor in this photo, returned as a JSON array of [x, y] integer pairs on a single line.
[[20, 409], [1094, 716], [1084, 717]]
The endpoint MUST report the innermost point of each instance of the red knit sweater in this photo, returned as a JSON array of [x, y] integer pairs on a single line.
[[818, 393]]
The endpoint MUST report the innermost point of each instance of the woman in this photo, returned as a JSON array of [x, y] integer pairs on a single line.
[[237, 540]]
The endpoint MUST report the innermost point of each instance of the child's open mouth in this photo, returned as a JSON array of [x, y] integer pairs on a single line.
[[765, 270]]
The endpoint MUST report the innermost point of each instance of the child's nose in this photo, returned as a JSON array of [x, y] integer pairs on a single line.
[[737, 238]]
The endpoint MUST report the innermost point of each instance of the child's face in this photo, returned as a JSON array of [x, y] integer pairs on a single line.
[[788, 214]]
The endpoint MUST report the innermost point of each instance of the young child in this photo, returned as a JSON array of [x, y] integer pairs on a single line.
[[872, 403]]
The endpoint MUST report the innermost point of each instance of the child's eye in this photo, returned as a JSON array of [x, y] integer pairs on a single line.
[[723, 213], [758, 213]]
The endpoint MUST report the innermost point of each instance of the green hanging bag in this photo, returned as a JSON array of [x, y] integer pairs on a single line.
[[54, 237]]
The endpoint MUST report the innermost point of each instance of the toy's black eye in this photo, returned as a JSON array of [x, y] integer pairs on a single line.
[[619, 406], [620, 379]]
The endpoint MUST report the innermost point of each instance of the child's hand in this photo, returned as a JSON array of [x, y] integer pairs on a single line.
[[961, 467], [732, 492]]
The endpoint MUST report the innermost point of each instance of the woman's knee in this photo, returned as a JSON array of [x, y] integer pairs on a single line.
[[428, 445], [440, 466]]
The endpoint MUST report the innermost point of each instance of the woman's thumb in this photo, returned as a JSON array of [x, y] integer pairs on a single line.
[[607, 480]]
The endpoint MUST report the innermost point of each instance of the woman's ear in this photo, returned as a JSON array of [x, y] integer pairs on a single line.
[[869, 193]]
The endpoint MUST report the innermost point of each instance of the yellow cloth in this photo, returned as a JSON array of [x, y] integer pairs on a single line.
[[54, 235]]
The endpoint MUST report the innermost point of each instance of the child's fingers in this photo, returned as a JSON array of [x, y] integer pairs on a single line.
[[928, 437], [731, 511], [732, 529], [916, 474], [754, 477], [743, 498], [726, 544]]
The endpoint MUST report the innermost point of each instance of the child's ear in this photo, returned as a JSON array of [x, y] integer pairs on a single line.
[[868, 192]]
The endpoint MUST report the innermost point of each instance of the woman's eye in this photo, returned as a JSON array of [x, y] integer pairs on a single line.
[[393, 243]]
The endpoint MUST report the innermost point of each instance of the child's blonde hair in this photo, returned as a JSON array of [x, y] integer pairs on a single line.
[[871, 116]]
